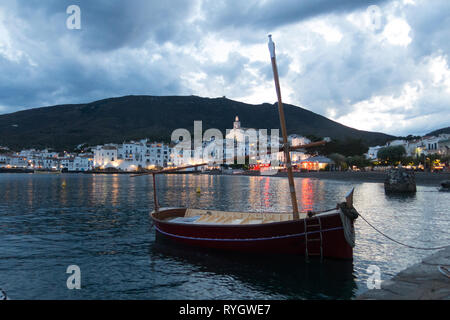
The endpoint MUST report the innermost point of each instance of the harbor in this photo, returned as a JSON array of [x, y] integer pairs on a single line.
[[101, 223], [170, 153]]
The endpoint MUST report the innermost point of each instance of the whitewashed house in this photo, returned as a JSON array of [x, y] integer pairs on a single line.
[[417, 147], [372, 153], [105, 156], [296, 156], [132, 155], [444, 146], [239, 141], [81, 163], [64, 162], [144, 155], [17, 161], [5, 160]]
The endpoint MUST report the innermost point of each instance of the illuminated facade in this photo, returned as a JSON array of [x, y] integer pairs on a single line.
[[130, 156], [426, 145]]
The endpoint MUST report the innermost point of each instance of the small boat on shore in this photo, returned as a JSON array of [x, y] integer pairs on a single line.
[[47, 171], [329, 233]]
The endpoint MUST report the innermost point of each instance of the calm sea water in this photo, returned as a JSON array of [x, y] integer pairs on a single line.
[[101, 224]]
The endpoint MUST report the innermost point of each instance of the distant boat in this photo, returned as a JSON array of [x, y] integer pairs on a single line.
[[328, 233], [47, 171]]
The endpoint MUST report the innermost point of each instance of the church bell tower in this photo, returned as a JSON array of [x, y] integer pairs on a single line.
[[237, 123]]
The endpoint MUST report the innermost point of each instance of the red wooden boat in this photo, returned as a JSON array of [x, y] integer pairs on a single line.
[[328, 233]]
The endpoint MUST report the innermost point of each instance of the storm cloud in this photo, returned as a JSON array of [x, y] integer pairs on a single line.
[[392, 76]]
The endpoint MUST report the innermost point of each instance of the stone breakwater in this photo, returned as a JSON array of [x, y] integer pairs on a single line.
[[400, 181]]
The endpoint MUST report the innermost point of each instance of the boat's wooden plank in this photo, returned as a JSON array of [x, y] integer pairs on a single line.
[[232, 217]]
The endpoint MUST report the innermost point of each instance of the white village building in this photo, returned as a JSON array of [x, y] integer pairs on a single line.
[[132, 155], [82, 162], [105, 156], [239, 141], [417, 147]]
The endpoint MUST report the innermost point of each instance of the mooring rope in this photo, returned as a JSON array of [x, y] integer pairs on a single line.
[[444, 270], [396, 241]]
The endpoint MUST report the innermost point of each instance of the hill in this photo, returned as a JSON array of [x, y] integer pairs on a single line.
[[133, 117], [438, 132]]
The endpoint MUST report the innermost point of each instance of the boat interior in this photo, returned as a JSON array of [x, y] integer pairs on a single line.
[[198, 216]]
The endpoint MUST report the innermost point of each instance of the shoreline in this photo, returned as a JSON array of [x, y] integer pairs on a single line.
[[422, 178]]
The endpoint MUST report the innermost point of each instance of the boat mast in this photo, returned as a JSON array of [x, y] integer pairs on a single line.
[[287, 156], [155, 195]]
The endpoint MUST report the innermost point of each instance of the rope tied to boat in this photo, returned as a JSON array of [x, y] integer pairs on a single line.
[[398, 242], [348, 215]]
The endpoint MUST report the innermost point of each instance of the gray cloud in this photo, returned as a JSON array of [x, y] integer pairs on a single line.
[[155, 47], [272, 13]]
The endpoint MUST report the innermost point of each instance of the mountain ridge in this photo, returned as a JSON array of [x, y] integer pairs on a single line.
[[140, 116], [438, 131]]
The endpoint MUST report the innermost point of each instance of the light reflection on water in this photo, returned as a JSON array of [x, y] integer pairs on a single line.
[[100, 222]]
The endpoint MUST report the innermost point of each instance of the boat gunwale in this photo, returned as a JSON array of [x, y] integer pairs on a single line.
[[252, 225]]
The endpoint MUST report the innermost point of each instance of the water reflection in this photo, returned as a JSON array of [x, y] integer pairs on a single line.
[[45, 227], [274, 275], [401, 197], [115, 189], [307, 195]]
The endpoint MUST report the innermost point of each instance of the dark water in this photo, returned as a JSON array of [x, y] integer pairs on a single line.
[[101, 224]]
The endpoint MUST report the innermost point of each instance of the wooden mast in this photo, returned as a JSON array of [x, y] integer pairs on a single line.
[[287, 156], [155, 195]]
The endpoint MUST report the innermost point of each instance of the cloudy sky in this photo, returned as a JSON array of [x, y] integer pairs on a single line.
[[372, 65]]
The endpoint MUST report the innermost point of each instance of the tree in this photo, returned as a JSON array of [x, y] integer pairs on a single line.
[[392, 155], [349, 147], [358, 161], [410, 161], [339, 160]]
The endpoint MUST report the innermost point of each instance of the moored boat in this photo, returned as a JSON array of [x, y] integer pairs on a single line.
[[47, 171], [328, 233], [325, 234]]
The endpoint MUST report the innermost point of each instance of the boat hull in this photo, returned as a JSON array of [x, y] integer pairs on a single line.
[[287, 237]]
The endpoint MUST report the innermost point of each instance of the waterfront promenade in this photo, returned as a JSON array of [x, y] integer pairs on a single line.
[[422, 281]]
